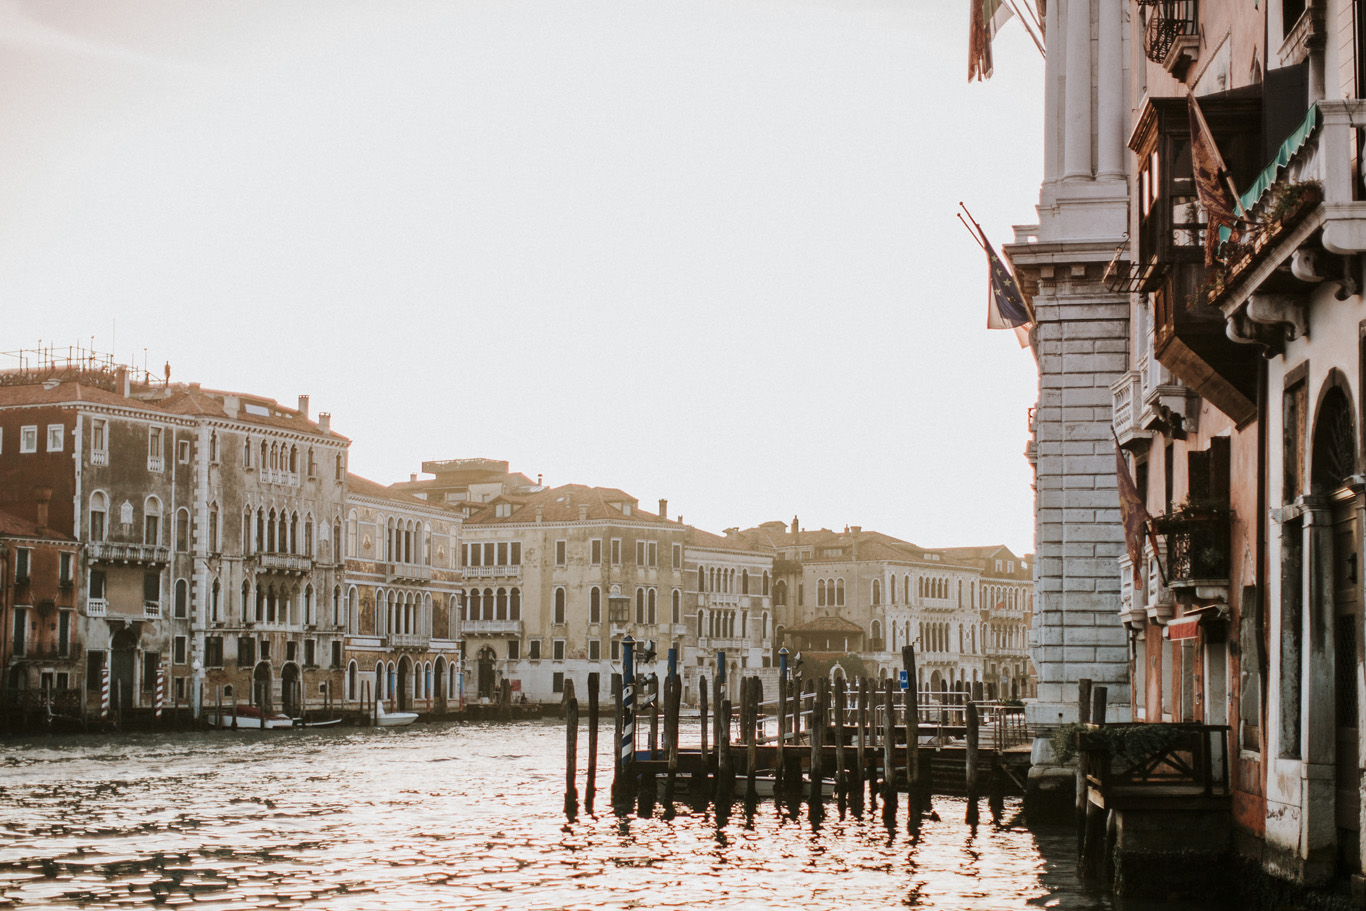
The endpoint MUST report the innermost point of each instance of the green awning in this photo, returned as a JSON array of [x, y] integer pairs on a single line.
[[1297, 138]]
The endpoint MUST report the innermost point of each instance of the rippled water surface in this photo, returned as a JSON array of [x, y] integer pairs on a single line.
[[459, 816]]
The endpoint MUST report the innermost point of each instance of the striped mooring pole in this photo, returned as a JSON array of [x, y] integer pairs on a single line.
[[628, 708], [161, 689], [104, 690]]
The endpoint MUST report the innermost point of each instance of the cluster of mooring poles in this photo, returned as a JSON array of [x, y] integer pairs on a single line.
[[814, 741]]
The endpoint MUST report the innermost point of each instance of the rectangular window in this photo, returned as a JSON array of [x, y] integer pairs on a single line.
[[246, 652], [678, 556], [502, 559], [179, 650], [515, 557], [99, 435], [291, 651], [183, 452], [65, 578], [557, 682], [652, 553], [64, 633], [94, 671], [55, 437], [213, 651], [22, 564], [20, 630], [557, 650], [616, 551], [534, 650], [155, 453], [182, 600], [265, 649], [514, 650], [616, 650], [28, 438], [336, 653], [594, 649], [97, 584], [151, 529], [180, 689], [595, 551], [640, 553], [561, 553], [310, 652]]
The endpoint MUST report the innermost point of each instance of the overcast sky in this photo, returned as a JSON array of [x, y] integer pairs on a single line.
[[703, 251]]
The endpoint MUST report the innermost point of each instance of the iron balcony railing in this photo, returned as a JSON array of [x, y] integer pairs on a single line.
[[1166, 21]]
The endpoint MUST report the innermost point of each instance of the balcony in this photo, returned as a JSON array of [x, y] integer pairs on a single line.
[[718, 600], [407, 573], [1125, 394], [1313, 214], [284, 564], [493, 572], [151, 610], [1164, 405], [1161, 603], [96, 607], [99, 457], [1198, 552], [1171, 34], [491, 627], [408, 640], [141, 554]]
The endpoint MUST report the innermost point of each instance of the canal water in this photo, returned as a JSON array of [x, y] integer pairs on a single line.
[[459, 816]]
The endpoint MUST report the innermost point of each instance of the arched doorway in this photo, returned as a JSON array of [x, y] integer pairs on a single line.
[[405, 689], [484, 670], [122, 660], [291, 690], [1334, 462], [260, 687]]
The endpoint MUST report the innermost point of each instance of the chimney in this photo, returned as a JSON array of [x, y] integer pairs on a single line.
[[663, 509], [412, 478], [121, 381], [538, 480], [194, 387], [583, 512], [540, 514], [303, 405], [42, 496], [795, 526], [325, 421]]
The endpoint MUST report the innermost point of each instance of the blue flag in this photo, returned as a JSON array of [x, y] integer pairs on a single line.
[[1007, 308]]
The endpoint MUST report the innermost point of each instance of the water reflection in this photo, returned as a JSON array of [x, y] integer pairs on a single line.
[[459, 815]]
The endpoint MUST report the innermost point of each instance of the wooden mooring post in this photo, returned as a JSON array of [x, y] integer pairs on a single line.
[[779, 765], [1083, 717], [725, 767], [590, 785], [616, 740], [816, 733], [673, 696], [700, 780], [841, 769], [970, 713], [1094, 832], [915, 798], [571, 735], [861, 721], [756, 701], [889, 756]]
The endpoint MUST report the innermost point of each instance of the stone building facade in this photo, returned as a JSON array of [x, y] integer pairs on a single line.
[[402, 601], [726, 609]]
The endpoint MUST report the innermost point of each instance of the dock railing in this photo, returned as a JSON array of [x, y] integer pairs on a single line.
[[1137, 755]]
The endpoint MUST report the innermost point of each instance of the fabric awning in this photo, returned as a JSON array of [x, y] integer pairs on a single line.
[[1288, 148], [1187, 625]]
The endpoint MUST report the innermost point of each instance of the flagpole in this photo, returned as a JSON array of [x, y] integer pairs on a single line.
[[1029, 307], [1025, 23], [970, 231]]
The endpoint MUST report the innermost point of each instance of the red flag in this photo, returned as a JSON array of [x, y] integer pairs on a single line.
[[1211, 182]]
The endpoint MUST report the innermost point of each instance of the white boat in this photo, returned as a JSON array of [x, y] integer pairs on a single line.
[[249, 718], [392, 719]]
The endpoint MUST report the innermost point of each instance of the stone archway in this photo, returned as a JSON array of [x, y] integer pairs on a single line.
[[261, 681], [439, 684], [291, 690], [404, 696], [484, 680], [122, 662]]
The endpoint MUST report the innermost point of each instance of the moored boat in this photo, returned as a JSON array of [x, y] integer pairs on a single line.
[[250, 718], [392, 719]]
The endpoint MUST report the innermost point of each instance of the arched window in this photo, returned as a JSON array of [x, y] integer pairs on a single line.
[[151, 521], [877, 592], [820, 593], [473, 605], [308, 537], [595, 605], [352, 610], [701, 578], [765, 627], [182, 599], [650, 617], [839, 592], [352, 679], [515, 605], [502, 602], [216, 602], [676, 608], [246, 600], [308, 604], [559, 606], [765, 582], [744, 582], [352, 533], [99, 515], [640, 606]]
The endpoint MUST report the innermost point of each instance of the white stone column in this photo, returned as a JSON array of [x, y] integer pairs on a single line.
[[1110, 93], [1077, 119], [1052, 90]]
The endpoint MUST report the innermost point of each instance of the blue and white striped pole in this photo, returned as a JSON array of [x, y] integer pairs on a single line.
[[628, 707]]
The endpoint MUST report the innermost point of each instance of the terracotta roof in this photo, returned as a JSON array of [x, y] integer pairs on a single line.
[[826, 625], [367, 488], [18, 527], [561, 504], [39, 394], [696, 537]]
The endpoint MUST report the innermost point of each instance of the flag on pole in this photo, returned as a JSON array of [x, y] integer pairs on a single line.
[[1133, 515], [987, 17], [1212, 183], [1006, 307]]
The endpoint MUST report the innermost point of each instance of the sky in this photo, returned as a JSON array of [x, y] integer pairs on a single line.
[[700, 251]]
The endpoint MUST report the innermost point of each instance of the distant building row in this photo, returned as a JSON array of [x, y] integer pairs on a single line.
[[156, 531]]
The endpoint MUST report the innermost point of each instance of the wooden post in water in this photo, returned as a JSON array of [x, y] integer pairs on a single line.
[[725, 766], [1083, 717], [571, 737], [889, 754], [654, 716], [673, 696], [591, 784], [702, 708], [915, 800], [779, 767], [841, 769], [860, 723], [1094, 826], [616, 739], [971, 770], [816, 733], [756, 703]]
